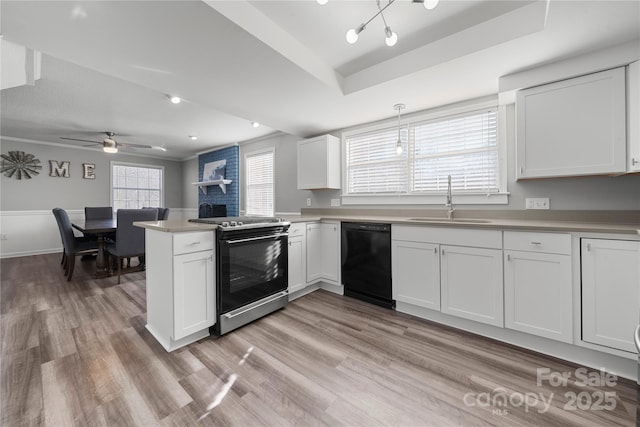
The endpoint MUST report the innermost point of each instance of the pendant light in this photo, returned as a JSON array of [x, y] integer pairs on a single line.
[[399, 107]]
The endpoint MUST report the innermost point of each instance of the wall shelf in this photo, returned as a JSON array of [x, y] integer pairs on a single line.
[[221, 182]]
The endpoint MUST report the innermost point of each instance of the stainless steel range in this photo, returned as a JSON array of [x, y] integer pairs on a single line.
[[251, 269]]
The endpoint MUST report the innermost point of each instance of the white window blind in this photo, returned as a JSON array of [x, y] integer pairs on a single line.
[[373, 166], [259, 183], [464, 146], [134, 187]]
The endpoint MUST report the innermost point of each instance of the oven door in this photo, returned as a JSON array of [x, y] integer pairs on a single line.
[[250, 267]]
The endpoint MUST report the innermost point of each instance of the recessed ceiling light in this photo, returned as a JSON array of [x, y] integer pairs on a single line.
[[255, 124], [193, 137], [175, 99]]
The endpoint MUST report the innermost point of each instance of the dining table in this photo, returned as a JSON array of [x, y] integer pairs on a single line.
[[99, 228]]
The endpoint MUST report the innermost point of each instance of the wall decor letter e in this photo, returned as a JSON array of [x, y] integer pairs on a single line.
[[59, 170], [89, 170]]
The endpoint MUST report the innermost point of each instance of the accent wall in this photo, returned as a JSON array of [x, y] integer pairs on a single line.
[[214, 194]]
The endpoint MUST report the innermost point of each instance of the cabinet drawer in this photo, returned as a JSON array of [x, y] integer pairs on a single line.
[[553, 243], [298, 229], [448, 236], [184, 243]]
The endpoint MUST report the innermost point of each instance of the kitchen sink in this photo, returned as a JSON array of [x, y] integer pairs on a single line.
[[455, 220]]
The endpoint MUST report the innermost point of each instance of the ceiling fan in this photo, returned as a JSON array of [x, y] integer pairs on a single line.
[[110, 145]]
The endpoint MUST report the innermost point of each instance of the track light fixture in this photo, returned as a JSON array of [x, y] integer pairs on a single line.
[[391, 38]]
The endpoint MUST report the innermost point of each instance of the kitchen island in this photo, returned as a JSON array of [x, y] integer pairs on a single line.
[[181, 291]]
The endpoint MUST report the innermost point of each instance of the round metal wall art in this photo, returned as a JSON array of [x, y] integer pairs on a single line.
[[20, 164]]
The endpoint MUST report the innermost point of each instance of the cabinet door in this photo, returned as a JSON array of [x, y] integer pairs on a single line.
[[471, 283], [538, 297], [319, 163], [330, 250], [314, 256], [633, 117], [573, 127], [610, 283], [297, 263], [194, 293], [416, 273]]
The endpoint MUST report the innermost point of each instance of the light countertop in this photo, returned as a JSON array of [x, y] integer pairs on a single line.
[[578, 225]]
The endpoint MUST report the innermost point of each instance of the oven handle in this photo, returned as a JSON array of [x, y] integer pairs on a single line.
[[277, 296], [253, 239]]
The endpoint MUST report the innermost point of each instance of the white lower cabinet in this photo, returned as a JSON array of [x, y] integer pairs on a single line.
[[416, 273], [314, 256], [610, 292], [323, 252], [454, 270], [537, 284], [181, 286], [297, 257], [194, 297], [330, 250], [471, 280]]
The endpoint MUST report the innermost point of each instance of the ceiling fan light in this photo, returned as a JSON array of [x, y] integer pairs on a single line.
[[109, 146], [430, 4], [175, 99]]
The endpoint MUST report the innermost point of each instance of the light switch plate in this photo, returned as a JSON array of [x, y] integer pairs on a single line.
[[309, 201], [537, 203]]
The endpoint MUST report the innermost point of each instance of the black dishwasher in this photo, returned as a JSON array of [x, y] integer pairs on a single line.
[[366, 262]]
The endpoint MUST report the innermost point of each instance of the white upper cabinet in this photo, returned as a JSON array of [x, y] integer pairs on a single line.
[[572, 127], [633, 117], [319, 163]]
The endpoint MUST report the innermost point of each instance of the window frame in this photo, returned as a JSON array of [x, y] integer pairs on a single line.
[[479, 198], [245, 188], [113, 163]]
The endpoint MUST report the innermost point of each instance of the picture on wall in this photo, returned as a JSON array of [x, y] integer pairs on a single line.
[[214, 171]]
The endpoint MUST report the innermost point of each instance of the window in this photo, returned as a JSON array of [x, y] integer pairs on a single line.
[[136, 186], [464, 146], [259, 183]]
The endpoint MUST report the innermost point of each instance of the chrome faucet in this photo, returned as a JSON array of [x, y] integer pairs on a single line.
[[449, 202]]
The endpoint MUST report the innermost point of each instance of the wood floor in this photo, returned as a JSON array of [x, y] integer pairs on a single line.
[[77, 353]]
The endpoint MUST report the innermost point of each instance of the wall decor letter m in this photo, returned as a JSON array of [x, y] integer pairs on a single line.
[[60, 170]]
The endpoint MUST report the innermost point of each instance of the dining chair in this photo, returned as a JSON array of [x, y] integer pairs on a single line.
[[130, 240], [102, 212], [163, 213], [72, 246], [99, 212]]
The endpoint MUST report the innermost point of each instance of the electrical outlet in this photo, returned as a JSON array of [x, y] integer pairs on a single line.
[[3, 237], [309, 201], [335, 202], [538, 203]]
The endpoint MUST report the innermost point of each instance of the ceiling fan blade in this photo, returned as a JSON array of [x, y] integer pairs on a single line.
[[120, 144], [81, 140]]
